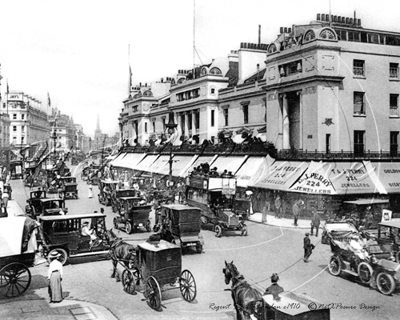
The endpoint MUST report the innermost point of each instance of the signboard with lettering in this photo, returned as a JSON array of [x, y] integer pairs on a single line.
[[389, 175], [14, 97]]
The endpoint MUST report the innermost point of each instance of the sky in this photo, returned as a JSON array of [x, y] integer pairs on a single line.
[[77, 50]]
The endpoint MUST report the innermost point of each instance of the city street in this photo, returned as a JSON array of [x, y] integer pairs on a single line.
[[264, 251]]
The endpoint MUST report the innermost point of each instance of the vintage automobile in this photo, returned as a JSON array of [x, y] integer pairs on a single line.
[[337, 231], [290, 305], [45, 207], [215, 197], [63, 234], [69, 189], [389, 234], [134, 213], [120, 193], [16, 169], [107, 188], [183, 223], [375, 268], [158, 268]]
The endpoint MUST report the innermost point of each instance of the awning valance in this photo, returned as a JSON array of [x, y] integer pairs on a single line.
[[230, 164], [196, 163], [281, 175], [146, 163], [158, 164], [252, 169], [130, 160], [179, 164], [388, 174]]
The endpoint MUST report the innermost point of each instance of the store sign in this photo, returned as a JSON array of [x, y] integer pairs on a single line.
[[386, 215], [13, 97]]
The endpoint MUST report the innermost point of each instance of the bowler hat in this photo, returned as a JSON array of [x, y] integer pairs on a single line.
[[274, 277], [307, 234]]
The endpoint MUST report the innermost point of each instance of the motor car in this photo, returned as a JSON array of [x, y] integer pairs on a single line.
[[45, 206]]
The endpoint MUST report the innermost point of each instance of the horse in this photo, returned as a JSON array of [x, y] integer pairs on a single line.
[[120, 251], [244, 296]]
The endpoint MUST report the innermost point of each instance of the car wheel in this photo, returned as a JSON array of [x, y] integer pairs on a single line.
[[128, 227], [64, 255], [385, 283], [335, 266], [398, 257], [218, 231], [365, 272]]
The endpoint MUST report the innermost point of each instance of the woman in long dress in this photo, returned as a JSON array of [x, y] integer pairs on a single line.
[[55, 277]]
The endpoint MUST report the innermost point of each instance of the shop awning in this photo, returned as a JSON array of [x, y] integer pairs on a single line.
[[196, 163], [128, 160], [252, 169], [230, 164], [388, 174], [179, 165], [116, 162], [146, 163], [281, 175], [161, 162]]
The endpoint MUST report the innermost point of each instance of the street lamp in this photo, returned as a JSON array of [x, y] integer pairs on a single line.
[[171, 130], [54, 137]]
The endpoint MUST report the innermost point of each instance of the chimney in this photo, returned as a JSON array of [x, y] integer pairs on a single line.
[[259, 33], [162, 80], [347, 20], [359, 22], [281, 30], [285, 30], [289, 30], [318, 16], [323, 17]]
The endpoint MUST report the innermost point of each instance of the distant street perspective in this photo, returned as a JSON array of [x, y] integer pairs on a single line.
[[263, 184]]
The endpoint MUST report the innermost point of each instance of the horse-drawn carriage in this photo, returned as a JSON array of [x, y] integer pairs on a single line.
[[158, 266], [17, 254], [215, 197], [134, 212], [64, 234], [107, 190], [182, 225], [69, 188]]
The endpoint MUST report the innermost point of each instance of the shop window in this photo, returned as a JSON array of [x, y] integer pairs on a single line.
[[358, 100], [394, 105], [394, 146]]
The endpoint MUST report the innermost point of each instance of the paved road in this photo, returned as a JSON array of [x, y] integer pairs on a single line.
[[266, 250]]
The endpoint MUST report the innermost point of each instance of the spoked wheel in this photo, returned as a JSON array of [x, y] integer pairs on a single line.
[[335, 266], [128, 227], [187, 285], [365, 272], [243, 231], [398, 257], [218, 231], [64, 255], [152, 293], [15, 279], [385, 283], [128, 281]]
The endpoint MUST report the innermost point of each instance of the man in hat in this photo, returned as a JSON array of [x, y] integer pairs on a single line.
[[315, 222], [297, 207], [275, 289], [308, 247]]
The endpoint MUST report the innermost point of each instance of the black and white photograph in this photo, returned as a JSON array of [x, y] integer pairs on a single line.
[[199, 159]]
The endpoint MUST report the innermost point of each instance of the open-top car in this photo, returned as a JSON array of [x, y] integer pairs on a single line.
[[64, 234], [46, 206], [337, 230], [389, 234]]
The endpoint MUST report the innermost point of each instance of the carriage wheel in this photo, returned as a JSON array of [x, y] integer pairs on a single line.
[[187, 285], [64, 255], [244, 231], [128, 227], [152, 293], [364, 272], [218, 231], [15, 279], [385, 283], [128, 281], [335, 266], [398, 257]]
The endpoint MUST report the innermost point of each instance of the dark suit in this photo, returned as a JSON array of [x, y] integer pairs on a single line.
[[274, 289], [308, 247]]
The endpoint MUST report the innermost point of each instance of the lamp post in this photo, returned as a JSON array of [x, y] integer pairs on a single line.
[[54, 137], [171, 130]]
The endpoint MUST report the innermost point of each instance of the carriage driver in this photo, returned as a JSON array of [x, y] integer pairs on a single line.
[[88, 232]]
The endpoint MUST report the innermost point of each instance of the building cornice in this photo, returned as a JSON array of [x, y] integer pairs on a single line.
[[315, 78], [196, 82]]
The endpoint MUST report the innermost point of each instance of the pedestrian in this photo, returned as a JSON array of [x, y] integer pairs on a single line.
[[315, 222], [55, 277], [308, 247], [278, 207], [297, 207], [90, 192], [275, 289], [5, 197], [3, 211]]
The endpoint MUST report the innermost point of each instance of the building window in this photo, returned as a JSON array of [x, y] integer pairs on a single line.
[[290, 68], [246, 114], [197, 119], [183, 124], [22, 129], [22, 116], [394, 136], [359, 143], [393, 70], [226, 116], [164, 124], [22, 140], [154, 126], [145, 127], [359, 68], [190, 124], [14, 128], [359, 108], [212, 118], [14, 116], [134, 108], [14, 140], [328, 143], [212, 90], [394, 105]]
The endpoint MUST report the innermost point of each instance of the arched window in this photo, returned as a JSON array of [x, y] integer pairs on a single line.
[[272, 48], [203, 71], [181, 80], [148, 93], [310, 35], [327, 34], [215, 71]]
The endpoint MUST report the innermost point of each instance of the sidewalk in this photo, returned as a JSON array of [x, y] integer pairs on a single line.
[[282, 222], [43, 310]]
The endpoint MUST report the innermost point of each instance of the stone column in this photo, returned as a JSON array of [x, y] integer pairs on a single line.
[[285, 123], [299, 93]]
